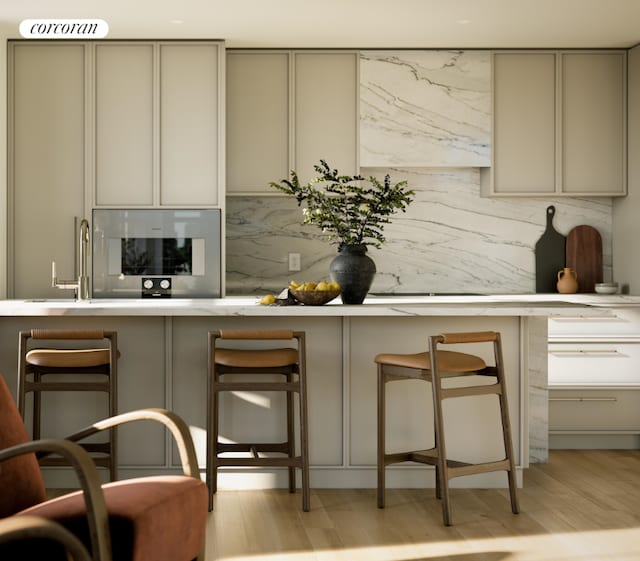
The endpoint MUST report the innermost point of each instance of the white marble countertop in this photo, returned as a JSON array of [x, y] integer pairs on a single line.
[[391, 305]]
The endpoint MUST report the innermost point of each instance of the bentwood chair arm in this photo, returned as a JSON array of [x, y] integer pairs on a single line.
[[170, 420]]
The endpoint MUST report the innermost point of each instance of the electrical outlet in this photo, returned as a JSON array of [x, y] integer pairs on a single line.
[[294, 262]]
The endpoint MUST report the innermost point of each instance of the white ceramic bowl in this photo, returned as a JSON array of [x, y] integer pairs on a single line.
[[606, 287]]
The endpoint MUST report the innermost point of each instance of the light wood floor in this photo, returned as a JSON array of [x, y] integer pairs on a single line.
[[580, 506]]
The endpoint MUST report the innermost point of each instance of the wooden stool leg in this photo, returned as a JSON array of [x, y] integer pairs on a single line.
[[212, 432], [381, 436], [441, 450], [37, 405], [506, 427], [291, 442], [304, 437]]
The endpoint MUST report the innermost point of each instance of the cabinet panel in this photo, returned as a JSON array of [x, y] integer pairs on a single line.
[[593, 127], [473, 425], [189, 124], [260, 416], [47, 167], [524, 123], [325, 112], [124, 124], [595, 410], [594, 363], [257, 120], [559, 124]]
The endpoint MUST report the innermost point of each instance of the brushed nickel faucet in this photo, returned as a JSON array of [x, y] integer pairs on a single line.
[[81, 285]]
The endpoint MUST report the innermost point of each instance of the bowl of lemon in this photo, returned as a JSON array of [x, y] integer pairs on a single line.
[[314, 294]]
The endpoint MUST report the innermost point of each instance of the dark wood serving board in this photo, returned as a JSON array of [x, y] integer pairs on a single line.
[[584, 256], [550, 256]]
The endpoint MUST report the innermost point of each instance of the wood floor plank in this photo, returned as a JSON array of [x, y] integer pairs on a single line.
[[581, 506]]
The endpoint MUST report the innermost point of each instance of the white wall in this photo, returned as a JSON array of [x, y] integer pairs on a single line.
[[626, 211]]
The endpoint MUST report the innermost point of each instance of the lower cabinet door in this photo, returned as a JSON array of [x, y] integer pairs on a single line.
[[601, 409]]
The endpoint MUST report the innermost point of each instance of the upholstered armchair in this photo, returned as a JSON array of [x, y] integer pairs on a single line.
[[159, 518]]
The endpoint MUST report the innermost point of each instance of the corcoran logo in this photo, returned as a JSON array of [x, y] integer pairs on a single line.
[[64, 28]]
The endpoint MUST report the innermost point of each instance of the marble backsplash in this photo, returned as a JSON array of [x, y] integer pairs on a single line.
[[425, 108], [450, 239]]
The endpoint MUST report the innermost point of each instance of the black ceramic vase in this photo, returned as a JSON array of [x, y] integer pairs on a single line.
[[353, 270]]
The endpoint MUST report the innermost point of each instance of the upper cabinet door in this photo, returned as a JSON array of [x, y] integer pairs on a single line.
[[593, 123], [47, 169], [257, 120], [325, 112], [190, 129], [425, 108], [288, 110], [524, 133], [124, 94], [559, 124]]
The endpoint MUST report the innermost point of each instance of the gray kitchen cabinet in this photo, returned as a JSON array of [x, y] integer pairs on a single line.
[[559, 124], [190, 130], [325, 112], [524, 149], [284, 111], [47, 162], [158, 125], [594, 123], [124, 94], [257, 120]]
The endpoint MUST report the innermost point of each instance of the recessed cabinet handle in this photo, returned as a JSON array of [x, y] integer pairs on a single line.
[[584, 351], [583, 399], [587, 318]]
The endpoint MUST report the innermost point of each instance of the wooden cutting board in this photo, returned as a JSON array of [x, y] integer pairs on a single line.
[[550, 255], [584, 256]]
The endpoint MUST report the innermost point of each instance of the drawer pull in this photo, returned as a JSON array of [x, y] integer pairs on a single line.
[[584, 351], [583, 399]]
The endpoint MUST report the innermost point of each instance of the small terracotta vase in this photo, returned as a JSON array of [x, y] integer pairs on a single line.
[[567, 281]]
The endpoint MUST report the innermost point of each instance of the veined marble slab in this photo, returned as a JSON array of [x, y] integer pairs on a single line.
[[425, 108], [450, 240]]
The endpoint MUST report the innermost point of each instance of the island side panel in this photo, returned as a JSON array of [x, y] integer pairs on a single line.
[[535, 367], [472, 424], [259, 416], [141, 383]]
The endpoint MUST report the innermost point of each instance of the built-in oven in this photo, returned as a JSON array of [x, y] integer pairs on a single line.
[[156, 253]]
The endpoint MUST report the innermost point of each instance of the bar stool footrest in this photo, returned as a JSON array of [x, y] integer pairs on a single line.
[[281, 447], [259, 462]]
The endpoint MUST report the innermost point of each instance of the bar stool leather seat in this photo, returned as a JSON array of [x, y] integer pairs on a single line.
[[65, 358], [432, 367], [40, 369], [286, 361]]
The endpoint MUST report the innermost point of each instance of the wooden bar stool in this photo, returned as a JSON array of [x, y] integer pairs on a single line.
[[287, 361], [37, 368], [432, 367]]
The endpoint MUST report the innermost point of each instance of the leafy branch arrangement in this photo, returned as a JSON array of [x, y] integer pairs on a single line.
[[352, 210]]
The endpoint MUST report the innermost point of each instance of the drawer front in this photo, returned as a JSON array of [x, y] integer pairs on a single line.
[[597, 410], [594, 363], [625, 322]]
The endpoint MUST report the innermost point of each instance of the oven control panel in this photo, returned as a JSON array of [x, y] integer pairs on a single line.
[[156, 287]]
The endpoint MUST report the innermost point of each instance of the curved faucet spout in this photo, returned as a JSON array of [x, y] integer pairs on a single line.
[[83, 251], [81, 284]]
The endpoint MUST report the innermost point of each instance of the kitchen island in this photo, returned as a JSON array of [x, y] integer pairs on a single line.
[[163, 344]]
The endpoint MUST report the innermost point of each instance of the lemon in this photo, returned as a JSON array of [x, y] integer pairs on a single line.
[[333, 285], [322, 285], [293, 285], [268, 299], [308, 286]]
